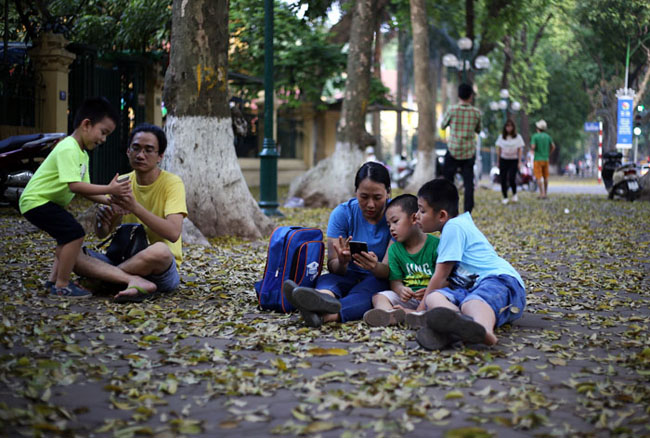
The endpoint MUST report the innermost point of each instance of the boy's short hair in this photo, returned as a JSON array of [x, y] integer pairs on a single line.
[[465, 91], [407, 202], [153, 129], [95, 109], [440, 194]]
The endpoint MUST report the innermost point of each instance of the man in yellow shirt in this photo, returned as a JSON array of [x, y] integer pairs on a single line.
[[158, 202]]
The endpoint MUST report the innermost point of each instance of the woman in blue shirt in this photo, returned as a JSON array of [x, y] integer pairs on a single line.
[[345, 294]]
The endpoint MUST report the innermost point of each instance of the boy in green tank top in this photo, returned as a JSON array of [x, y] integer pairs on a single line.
[[412, 261], [62, 175]]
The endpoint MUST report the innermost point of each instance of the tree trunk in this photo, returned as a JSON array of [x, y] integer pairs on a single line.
[[469, 19], [376, 70], [425, 169], [331, 181], [200, 139], [399, 147]]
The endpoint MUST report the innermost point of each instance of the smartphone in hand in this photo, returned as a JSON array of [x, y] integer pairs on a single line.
[[123, 178], [357, 247]]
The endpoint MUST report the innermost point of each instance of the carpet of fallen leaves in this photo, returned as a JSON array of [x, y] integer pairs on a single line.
[[204, 361]]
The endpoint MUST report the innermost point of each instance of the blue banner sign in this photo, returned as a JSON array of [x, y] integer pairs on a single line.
[[624, 125], [591, 127]]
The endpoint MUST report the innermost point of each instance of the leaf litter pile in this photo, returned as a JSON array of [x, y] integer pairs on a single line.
[[204, 361]]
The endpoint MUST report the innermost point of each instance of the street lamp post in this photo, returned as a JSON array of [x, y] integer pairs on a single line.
[[505, 104], [269, 155], [464, 64]]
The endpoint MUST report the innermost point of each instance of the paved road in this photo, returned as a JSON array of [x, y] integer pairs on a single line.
[[565, 186]]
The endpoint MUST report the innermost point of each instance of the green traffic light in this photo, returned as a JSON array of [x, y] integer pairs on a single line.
[[640, 108], [637, 131]]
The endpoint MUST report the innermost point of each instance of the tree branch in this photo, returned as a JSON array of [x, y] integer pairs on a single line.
[[646, 77], [507, 63], [24, 19], [488, 41], [469, 19], [538, 35]]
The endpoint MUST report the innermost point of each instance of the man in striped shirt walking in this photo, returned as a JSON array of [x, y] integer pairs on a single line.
[[465, 123]]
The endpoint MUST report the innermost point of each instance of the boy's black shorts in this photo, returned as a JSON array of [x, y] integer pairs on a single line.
[[56, 221]]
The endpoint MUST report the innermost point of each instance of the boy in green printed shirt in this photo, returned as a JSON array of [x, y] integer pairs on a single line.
[[63, 174], [412, 260]]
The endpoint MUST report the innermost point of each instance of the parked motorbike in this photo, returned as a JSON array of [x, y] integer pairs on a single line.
[[620, 180], [404, 171], [20, 156], [524, 179]]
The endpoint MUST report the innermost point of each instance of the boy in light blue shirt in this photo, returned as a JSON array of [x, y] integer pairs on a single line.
[[468, 312]]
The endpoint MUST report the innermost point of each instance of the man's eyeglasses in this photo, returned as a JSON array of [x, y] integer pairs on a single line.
[[149, 150]]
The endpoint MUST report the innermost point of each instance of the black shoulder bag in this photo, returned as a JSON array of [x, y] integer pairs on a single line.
[[126, 241]]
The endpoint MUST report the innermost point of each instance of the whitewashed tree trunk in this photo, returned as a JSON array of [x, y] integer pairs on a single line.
[[332, 180], [200, 152], [199, 131], [425, 169]]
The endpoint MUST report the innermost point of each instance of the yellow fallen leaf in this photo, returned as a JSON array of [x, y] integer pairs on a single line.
[[453, 394], [327, 351]]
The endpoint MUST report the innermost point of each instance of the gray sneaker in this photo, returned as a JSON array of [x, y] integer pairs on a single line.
[[287, 290], [416, 320], [383, 318], [307, 298], [311, 319], [443, 320], [431, 340]]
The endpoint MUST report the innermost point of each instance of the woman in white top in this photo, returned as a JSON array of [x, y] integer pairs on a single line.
[[509, 149]]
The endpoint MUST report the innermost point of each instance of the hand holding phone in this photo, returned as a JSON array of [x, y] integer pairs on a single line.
[[357, 247]]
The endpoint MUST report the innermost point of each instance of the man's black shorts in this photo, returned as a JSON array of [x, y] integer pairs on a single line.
[[56, 221]]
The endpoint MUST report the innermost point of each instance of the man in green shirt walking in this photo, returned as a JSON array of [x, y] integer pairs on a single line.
[[542, 145]]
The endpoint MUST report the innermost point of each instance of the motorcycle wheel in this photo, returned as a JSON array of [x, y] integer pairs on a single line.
[[621, 191], [630, 195]]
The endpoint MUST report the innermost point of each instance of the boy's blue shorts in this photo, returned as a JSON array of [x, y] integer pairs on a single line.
[[501, 292], [165, 282]]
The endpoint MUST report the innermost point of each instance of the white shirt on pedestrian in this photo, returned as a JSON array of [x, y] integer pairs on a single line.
[[509, 146]]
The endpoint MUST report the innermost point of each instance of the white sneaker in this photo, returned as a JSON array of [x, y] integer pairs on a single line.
[[504, 201], [515, 198]]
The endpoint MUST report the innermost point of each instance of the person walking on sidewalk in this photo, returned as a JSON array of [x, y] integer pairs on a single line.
[[465, 122], [542, 145], [509, 148]]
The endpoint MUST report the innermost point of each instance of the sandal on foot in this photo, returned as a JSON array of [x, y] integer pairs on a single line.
[[431, 340], [443, 320], [383, 318], [310, 299], [137, 298]]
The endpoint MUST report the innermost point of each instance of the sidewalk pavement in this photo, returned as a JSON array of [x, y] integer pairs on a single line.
[[204, 361]]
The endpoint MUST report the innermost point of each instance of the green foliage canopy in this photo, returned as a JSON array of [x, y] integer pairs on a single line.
[[303, 58]]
